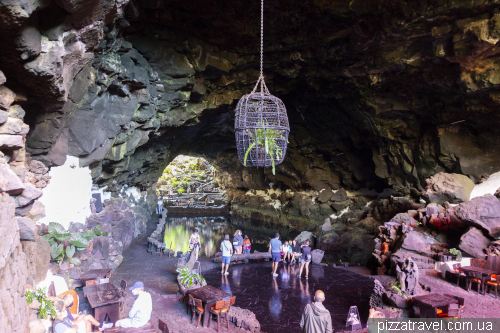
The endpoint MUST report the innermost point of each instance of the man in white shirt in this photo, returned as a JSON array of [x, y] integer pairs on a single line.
[[227, 250], [140, 313]]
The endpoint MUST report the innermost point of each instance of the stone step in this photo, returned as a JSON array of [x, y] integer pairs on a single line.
[[429, 272]]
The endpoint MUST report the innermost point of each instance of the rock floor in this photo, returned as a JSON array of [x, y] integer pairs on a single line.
[[158, 275]]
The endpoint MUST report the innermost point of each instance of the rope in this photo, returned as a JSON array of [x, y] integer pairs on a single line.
[[263, 87]]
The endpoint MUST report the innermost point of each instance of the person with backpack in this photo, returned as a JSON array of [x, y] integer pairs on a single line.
[[227, 250]]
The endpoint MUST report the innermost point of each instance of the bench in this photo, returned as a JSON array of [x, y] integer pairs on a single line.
[[148, 328]]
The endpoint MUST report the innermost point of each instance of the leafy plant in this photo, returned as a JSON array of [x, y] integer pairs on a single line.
[[181, 190], [184, 183], [265, 138], [187, 278], [186, 178], [46, 308], [457, 253], [78, 241], [396, 286]]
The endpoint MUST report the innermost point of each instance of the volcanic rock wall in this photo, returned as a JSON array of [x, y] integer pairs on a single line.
[[21, 185]]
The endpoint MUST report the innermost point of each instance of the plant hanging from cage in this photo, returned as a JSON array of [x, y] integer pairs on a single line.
[[261, 123], [265, 139]]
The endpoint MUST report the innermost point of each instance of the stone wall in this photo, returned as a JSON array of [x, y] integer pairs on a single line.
[[21, 185]]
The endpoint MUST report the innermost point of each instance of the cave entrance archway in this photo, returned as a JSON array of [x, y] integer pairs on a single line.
[[189, 178]]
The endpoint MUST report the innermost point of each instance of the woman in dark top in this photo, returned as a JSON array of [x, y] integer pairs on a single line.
[[295, 251], [306, 259]]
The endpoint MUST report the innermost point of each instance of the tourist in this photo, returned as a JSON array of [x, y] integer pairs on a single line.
[[316, 318], [206, 201], [189, 190], [194, 243], [306, 259], [65, 323], [160, 205], [227, 251], [177, 201], [246, 245], [275, 248], [83, 322], [295, 251], [140, 313], [237, 242], [286, 252]]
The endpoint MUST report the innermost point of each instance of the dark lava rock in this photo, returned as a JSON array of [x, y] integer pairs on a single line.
[[339, 206], [325, 195], [474, 243], [340, 195], [419, 242], [393, 299], [450, 187], [482, 212]]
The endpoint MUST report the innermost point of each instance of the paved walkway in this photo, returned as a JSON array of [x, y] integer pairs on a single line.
[[159, 278]]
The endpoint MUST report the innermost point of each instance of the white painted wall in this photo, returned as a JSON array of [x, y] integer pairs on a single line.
[[490, 186], [67, 197]]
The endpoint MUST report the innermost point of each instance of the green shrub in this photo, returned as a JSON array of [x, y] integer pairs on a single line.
[[181, 190], [184, 183], [46, 309], [187, 278]]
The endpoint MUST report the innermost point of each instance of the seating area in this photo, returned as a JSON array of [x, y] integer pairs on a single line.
[[479, 275]]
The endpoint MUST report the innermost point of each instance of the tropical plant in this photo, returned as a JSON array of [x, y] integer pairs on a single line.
[[187, 278], [184, 183], [186, 178], [265, 138], [457, 253], [78, 241], [181, 190], [396, 286], [46, 308]]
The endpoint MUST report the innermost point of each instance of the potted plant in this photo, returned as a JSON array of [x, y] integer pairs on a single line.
[[188, 280]]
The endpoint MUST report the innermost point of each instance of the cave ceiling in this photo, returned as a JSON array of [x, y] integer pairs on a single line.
[[379, 93]]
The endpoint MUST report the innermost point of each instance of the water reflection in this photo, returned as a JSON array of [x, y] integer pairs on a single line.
[[275, 302], [212, 231]]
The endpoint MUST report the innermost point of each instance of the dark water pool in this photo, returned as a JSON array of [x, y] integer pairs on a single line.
[[278, 302], [212, 231]]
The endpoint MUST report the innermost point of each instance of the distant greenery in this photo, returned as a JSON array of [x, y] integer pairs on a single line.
[[181, 190], [184, 183], [46, 309]]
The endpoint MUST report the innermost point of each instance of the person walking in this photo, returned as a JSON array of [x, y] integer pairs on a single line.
[[160, 205], [237, 242], [246, 245], [140, 313], [227, 251], [275, 248], [194, 243], [316, 318], [306, 259]]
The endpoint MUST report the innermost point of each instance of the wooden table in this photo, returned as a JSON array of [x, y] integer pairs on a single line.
[[486, 273], [106, 302], [95, 274], [208, 295], [433, 300], [98, 287], [148, 328]]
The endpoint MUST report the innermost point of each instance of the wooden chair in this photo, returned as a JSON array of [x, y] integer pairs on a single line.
[[74, 308], [474, 277], [459, 273], [196, 307], [493, 283], [163, 327], [220, 310]]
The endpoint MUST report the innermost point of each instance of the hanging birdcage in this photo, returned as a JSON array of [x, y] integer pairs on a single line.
[[261, 124]]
